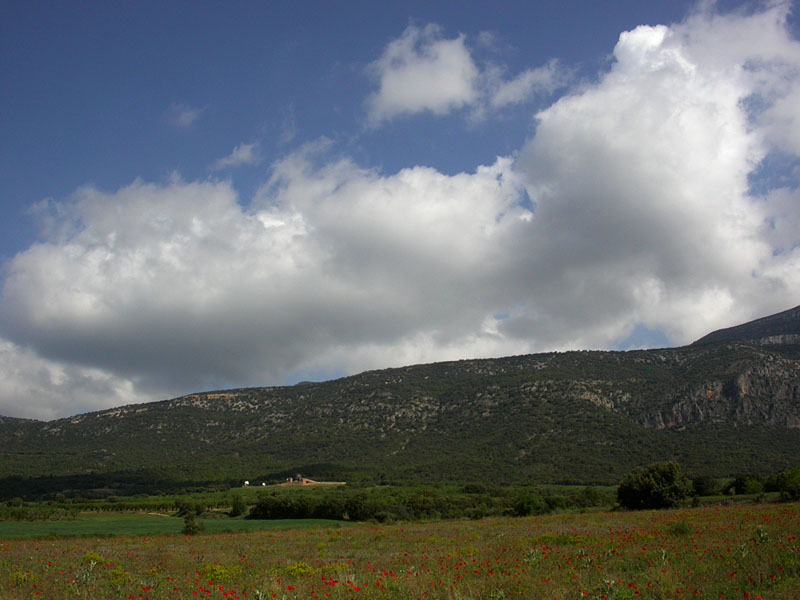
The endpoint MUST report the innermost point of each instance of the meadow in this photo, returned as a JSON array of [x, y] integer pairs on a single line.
[[743, 551]]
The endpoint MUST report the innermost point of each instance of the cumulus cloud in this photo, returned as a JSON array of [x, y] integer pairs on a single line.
[[644, 177], [424, 72], [421, 71], [176, 284], [243, 154], [630, 207]]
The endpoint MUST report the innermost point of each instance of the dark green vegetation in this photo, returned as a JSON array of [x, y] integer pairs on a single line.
[[375, 503], [212, 513], [788, 484], [390, 503], [727, 406], [661, 485]]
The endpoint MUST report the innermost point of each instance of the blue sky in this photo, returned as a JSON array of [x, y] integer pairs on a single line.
[[201, 195], [90, 89]]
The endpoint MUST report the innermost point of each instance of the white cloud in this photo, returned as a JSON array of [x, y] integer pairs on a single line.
[[420, 72], [243, 154], [543, 79], [37, 388], [176, 287], [757, 51], [423, 72], [182, 115], [643, 179], [630, 206]]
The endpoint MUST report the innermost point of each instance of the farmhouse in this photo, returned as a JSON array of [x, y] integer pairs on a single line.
[[299, 480]]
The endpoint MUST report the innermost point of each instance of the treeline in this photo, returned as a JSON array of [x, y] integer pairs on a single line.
[[787, 483], [388, 504], [38, 512], [665, 485], [19, 509], [101, 486]]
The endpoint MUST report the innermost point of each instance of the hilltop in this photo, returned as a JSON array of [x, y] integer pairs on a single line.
[[727, 404], [781, 328]]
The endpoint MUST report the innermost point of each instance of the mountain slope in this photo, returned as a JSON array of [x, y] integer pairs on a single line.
[[781, 327], [719, 407]]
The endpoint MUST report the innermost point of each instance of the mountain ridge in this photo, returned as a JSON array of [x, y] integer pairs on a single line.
[[582, 416], [782, 327]]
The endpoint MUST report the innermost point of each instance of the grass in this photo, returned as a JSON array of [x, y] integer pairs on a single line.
[[748, 552], [133, 524]]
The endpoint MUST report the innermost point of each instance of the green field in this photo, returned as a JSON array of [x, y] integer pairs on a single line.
[[133, 524]]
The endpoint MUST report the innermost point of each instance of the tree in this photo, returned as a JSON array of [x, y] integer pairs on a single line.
[[660, 485], [705, 486], [238, 506], [190, 524]]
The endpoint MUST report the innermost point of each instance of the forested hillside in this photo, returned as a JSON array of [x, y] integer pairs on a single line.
[[719, 407]]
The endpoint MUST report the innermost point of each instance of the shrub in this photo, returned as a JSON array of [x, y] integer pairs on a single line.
[[530, 504], [660, 485], [190, 524]]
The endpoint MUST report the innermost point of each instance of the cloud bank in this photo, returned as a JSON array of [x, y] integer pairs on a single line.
[[632, 205]]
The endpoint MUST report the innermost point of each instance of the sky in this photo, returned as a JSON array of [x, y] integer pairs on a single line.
[[208, 195]]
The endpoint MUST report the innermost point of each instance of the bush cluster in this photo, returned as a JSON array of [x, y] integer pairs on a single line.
[[663, 485], [37, 512], [660, 485], [403, 504], [788, 484]]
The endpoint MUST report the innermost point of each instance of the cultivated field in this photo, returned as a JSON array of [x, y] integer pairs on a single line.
[[750, 551], [136, 524]]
